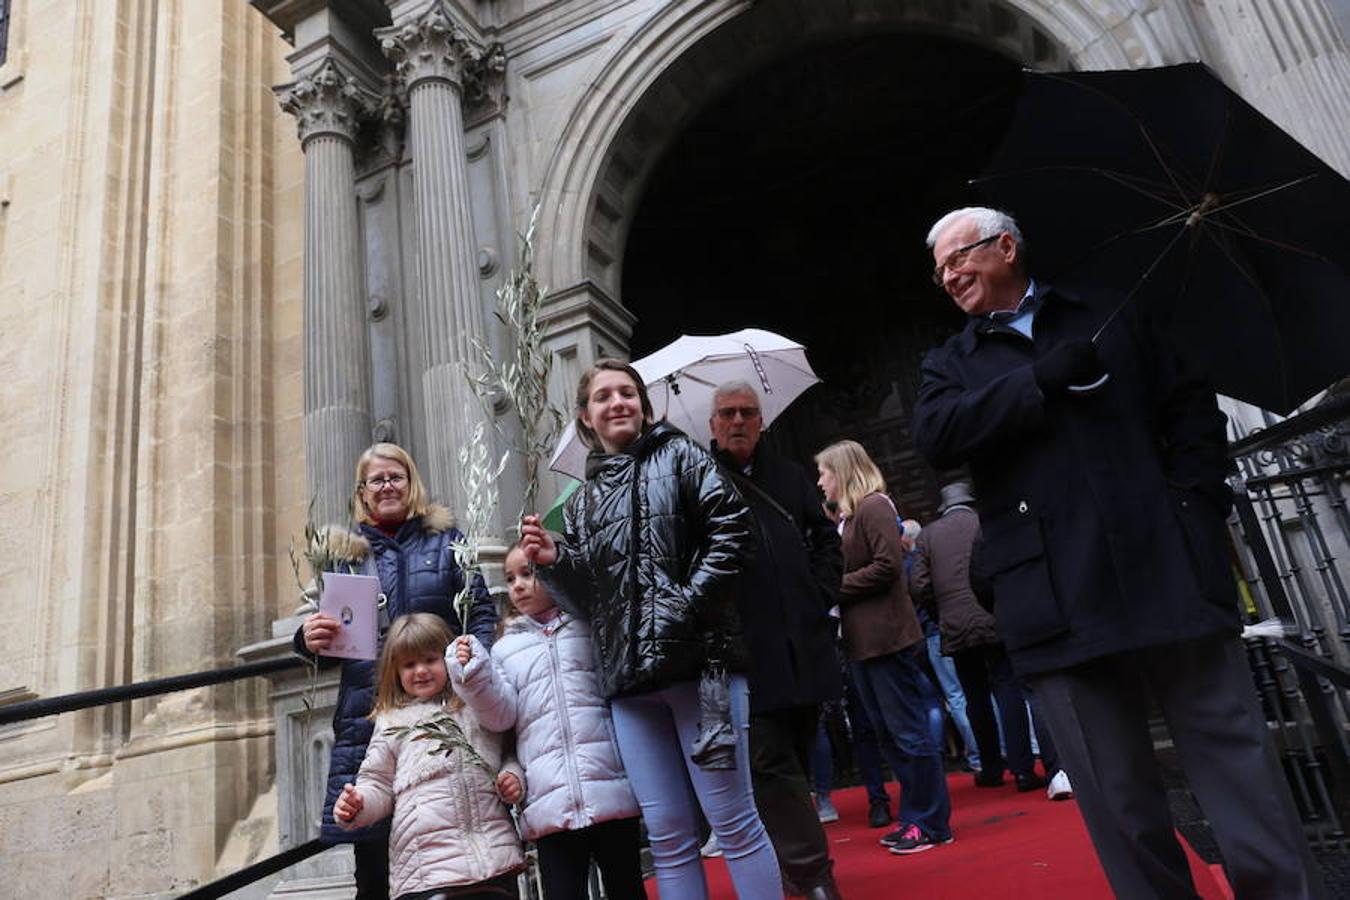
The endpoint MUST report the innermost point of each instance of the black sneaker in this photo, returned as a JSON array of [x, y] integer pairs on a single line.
[[1030, 782], [878, 814], [988, 779], [912, 840], [891, 838]]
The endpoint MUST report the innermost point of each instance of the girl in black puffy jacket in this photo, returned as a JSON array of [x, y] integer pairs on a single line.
[[654, 541]]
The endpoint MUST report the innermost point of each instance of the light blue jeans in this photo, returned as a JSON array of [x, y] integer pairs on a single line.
[[656, 732], [956, 698]]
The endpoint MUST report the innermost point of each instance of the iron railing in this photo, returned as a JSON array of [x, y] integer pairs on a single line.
[[1292, 534], [50, 706]]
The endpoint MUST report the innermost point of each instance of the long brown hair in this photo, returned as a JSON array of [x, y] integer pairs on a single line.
[[584, 431], [410, 635]]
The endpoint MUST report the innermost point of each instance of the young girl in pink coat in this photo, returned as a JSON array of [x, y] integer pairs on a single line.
[[451, 832]]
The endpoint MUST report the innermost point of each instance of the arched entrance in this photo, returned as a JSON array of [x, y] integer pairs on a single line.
[[885, 108], [798, 201]]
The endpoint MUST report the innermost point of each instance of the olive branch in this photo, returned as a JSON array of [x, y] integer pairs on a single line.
[[319, 558], [449, 737], [523, 380], [478, 476]]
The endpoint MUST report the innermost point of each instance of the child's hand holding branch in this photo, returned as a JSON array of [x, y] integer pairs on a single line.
[[509, 787], [348, 804], [463, 650]]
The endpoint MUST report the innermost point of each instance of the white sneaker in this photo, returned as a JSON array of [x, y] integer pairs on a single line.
[[710, 847], [1060, 788]]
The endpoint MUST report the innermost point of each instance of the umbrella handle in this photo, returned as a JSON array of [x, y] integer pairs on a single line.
[[1084, 389]]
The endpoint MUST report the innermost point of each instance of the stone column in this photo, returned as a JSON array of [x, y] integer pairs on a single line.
[[431, 56], [327, 104]]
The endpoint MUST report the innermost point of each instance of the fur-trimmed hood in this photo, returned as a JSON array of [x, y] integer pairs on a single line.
[[348, 545]]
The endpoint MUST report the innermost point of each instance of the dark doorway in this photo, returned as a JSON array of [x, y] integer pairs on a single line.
[[798, 202]]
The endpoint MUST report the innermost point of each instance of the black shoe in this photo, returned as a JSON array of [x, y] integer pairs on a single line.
[[878, 814], [986, 778], [1030, 782], [825, 890]]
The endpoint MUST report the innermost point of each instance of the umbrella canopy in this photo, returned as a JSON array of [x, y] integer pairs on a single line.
[[682, 376], [1166, 187], [553, 519]]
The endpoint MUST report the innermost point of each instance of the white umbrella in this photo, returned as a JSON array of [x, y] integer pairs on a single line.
[[682, 376]]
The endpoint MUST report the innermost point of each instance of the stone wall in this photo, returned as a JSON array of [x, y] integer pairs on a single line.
[[150, 275]]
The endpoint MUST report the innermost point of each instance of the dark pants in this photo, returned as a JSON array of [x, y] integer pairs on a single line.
[[1049, 756], [616, 846], [899, 697], [1098, 714], [866, 745], [372, 869], [780, 765], [503, 887], [982, 671]]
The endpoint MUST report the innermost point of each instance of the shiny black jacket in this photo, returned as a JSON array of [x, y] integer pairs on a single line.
[[654, 541]]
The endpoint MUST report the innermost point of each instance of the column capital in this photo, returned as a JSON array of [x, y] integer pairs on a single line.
[[431, 45], [327, 101]]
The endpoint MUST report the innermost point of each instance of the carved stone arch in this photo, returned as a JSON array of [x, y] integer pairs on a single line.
[[678, 60]]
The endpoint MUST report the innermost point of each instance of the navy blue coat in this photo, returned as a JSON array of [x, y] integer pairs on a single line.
[[418, 573], [1102, 515]]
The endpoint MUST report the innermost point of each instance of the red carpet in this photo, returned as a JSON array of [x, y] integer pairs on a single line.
[[1007, 844]]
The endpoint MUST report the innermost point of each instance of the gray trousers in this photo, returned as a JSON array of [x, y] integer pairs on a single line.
[[1098, 715]]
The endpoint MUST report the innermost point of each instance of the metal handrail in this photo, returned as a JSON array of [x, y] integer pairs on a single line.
[[50, 706], [1333, 409], [260, 869]]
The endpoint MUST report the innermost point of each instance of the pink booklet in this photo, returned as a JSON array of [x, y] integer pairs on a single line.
[[354, 601]]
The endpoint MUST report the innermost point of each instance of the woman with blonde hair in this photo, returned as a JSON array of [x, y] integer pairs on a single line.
[[883, 640], [405, 540]]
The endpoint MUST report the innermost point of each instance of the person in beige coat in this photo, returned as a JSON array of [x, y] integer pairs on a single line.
[[439, 768]]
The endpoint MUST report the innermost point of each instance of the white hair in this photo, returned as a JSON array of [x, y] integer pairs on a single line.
[[727, 388], [990, 222], [910, 528]]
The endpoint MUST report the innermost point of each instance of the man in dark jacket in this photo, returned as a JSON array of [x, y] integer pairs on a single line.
[[784, 600], [1101, 470]]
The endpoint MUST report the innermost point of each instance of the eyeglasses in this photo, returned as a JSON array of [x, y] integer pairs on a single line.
[[378, 483], [727, 413], [957, 258]]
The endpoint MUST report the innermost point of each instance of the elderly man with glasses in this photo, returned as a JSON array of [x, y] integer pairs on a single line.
[[1101, 466], [784, 600]]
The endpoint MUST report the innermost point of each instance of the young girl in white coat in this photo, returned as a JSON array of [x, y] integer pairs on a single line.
[[578, 805], [451, 834]]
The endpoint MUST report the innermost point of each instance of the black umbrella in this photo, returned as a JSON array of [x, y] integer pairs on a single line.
[[1163, 186]]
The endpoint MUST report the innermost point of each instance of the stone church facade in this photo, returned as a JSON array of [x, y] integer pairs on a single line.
[[239, 242]]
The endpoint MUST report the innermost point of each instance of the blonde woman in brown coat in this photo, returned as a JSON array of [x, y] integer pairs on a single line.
[[883, 640]]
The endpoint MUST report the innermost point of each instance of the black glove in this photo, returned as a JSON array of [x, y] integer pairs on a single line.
[[1073, 362]]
